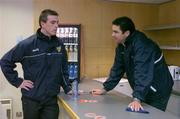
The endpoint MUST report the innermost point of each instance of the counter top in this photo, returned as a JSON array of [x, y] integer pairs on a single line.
[[176, 87], [175, 91], [111, 106]]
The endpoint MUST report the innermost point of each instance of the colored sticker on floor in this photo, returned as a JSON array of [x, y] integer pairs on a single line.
[[90, 115], [100, 117], [87, 101]]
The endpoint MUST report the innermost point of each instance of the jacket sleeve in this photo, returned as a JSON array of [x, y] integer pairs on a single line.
[[117, 70], [143, 69], [65, 83], [7, 62]]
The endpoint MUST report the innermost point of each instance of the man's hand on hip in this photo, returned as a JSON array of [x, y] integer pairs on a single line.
[[26, 84]]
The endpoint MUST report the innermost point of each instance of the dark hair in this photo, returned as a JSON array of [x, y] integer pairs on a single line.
[[125, 24], [44, 14]]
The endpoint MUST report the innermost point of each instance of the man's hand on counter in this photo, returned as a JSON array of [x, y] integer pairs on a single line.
[[135, 105], [70, 92], [98, 92]]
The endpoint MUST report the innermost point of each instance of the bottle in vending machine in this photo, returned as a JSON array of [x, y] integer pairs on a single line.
[[66, 35], [75, 34], [75, 71], [75, 88], [66, 32], [76, 40], [71, 72], [61, 32], [73, 77], [67, 51], [70, 53], [70, 35], [58, 32], [75, 54]]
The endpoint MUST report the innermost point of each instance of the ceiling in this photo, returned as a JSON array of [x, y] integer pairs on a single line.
[[144, 1]]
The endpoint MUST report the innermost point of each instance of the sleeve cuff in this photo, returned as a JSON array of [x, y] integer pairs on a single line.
[[19, 82], [136, 99], [138, 96], [67, 89]]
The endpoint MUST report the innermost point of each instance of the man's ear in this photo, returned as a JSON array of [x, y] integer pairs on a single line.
[[42, 23], [127, 33]]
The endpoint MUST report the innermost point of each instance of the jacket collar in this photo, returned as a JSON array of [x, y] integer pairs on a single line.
[[43, 37], [130, 38]]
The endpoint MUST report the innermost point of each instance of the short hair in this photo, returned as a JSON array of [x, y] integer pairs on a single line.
[[44, 14], [125, 24]]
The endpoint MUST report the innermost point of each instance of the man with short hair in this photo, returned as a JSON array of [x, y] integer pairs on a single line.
[[44, 62], [144, 64]]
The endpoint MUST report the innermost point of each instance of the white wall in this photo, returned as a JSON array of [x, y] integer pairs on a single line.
[[16, 21]]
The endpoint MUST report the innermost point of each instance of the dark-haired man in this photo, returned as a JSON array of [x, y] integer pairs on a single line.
[[44, 62], [144, 64]]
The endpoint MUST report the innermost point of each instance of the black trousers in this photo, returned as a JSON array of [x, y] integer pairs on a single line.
[[46, 109]]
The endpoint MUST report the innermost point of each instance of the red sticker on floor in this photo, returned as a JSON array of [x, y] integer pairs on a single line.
[[92, 101], [100, 117], [83, 101], [87, 101]]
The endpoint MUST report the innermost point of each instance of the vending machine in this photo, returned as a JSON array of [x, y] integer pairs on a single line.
[[69, 34]]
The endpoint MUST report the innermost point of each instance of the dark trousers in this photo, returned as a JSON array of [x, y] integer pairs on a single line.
[[47, 109], [158, 101]]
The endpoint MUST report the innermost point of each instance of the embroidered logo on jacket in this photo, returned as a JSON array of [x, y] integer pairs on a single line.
[[58, 49]]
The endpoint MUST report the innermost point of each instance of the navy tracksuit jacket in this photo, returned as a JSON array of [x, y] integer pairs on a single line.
[[44, 62], [144, 64]]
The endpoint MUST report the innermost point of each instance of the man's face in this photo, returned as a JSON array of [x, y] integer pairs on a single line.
[[118, 35], [49, 27]]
